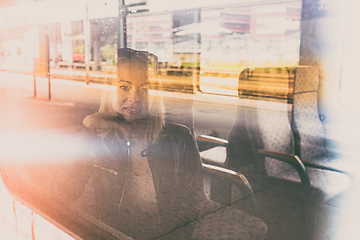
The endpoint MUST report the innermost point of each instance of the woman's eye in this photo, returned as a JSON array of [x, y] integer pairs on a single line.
[[143, 89], [125, 88]]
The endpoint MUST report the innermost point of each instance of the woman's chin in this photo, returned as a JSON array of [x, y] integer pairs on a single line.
[[133, 119]]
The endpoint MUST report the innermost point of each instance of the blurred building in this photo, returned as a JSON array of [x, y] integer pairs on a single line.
[[237, 35]]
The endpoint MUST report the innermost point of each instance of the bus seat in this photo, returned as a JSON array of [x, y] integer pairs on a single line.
[[281, 173], [273, 145], [224, 220], [272, 140], [308, 129]]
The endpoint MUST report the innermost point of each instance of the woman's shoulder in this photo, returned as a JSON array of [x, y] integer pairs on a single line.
[[89, 121], [96, 120]]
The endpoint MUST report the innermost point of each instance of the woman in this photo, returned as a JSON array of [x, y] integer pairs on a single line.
[[136, 175], [146, 174]]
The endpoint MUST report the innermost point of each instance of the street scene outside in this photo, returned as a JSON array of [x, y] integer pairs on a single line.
[[217, 64], [212, 45]]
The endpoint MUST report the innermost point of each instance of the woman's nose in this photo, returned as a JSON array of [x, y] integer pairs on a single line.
[[134, 95]]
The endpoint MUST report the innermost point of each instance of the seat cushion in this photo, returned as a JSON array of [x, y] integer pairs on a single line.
[[215, 155], [325, 184], [348, 165], [222, 222]]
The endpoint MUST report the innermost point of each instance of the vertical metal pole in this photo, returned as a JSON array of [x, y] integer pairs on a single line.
[[87, 42], [48, 64], [122, 25], [121, 43], [34, 85], [34, 73], [49, 83], [196, 84]]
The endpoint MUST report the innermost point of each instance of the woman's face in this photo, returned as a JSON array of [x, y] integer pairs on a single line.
[[131, 100]]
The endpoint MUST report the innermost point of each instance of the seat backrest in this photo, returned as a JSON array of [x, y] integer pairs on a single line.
[[239, 152], [254, 83], [269, 128], [308, 129], [264, 83]]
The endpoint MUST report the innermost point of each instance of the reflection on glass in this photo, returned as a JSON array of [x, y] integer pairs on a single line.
[[217, 61]]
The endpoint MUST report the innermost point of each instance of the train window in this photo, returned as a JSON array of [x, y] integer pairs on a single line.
[[153, 119], [351, 49]]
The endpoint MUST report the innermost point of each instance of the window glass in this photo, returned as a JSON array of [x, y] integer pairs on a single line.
[[179, 119]]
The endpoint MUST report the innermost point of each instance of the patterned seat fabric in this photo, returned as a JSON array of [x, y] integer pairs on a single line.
[[325, 184], [267, 122], [308, 129], [269, 128], [238, 225]]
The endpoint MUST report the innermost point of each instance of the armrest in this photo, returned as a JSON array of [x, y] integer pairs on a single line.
[[291, 159], [226, 173], [319, 166], [236, 177], [212, 140]]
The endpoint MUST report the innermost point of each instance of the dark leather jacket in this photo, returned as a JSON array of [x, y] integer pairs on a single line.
[[91, 184], [176, 169]]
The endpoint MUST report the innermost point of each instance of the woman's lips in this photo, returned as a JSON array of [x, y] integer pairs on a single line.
[[132, 110]]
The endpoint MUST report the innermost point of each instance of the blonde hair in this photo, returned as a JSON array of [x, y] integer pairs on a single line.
[[156, 117]]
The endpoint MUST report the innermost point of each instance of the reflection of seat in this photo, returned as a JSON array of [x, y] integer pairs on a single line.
[[308, 130], [263, 83], [283, 175], [217, 218], [268, 127], [217, 152], [239, 223], [273, 144], [234, 153], [224, 222], [64, 179], [231, 153]]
